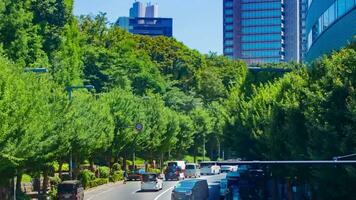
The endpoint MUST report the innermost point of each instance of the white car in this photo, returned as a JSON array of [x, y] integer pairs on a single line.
[[192, 170], [228, 168], [209, 168], [150, 181]]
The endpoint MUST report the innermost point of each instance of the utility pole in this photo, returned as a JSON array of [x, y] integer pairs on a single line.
[[203, 147]]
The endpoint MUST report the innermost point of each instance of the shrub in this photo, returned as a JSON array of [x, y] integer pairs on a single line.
[[55, 180], [117, 176], [104, 172], [97, 182], [116, 167], [86, 176], [157, 171], [53, 193]]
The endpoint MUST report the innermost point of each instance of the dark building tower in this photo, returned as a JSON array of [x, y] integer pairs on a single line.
[[262, 31]]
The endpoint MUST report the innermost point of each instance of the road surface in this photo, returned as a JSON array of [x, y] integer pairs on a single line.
[[131, 191]]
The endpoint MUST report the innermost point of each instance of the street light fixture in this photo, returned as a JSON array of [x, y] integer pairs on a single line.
[[70, 96]]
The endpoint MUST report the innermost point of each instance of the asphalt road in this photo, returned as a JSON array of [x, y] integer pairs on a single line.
[[131, 191]]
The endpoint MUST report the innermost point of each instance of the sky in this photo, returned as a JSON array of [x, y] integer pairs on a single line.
[[196, 23]]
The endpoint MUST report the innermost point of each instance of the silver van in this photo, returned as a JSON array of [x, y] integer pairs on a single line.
[[192, 170]]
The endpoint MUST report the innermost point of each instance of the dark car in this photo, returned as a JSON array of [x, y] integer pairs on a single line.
[[72, 190], [193, 189], [135, 175], [173, 173]]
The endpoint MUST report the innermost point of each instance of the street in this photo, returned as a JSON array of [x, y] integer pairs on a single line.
[[131, 191]]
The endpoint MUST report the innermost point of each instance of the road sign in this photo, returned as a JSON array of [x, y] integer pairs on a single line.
[[138, 127]]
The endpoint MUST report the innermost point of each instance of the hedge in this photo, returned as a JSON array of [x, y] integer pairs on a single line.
[[117, 176], [97, 182], [104, 172]]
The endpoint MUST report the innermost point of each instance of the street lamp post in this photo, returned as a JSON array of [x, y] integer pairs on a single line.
[[37, 71], [70, 97]]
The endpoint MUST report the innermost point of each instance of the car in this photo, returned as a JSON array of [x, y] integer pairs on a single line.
[[192, 170], [209, 168], [174, 173], [227, 168], [191, 189], [70, 190], [135, 175], [151, 181], [223, 188]]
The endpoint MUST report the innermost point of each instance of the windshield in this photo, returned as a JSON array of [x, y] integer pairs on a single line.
[[172, 164], [206, 164], [190, 167], [66, 188], [149, 177], [186, 184]]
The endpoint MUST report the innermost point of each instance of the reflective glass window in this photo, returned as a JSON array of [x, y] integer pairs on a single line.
[[228, 12], [341, 7], [265, 45], [349, 4], [261, 29], [228, 50], [256, 22], [256, 38], [262, 13], [263, 53], [228, 20], [229, 4], [229, 42], [229, 27], [261, 5], [228, 35]]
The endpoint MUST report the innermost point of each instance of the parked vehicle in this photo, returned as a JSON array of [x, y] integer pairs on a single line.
[[72, 190], [209, 168], [223, 188], [227, 168], [174, 173], [192, 170], [151, 181], [178, 163], [193, 189], [135, 175]]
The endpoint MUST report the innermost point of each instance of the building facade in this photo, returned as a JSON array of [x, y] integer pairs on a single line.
[[330, 25], [144, 20], [262, 31]]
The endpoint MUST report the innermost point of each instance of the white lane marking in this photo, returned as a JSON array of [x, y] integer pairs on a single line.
[[134, 192], [160, 195]]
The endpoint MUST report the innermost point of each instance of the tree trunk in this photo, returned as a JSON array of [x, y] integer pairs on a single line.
[[18, 182], [60, 168], [45, 181], [124, 164]]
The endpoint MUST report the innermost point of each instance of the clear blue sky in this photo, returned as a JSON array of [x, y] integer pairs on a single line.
[[197, 23]]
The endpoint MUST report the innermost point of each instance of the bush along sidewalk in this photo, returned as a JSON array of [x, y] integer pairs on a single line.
[[104, 176]]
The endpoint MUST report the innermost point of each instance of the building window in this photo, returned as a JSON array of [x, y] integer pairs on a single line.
[[228, 50], [228, 35], [265, 21], [261, 29], [259, 38], [229, 27], [263, 53], [228, 4], [261, 5], [228, 20], [228, 43], [262, 13], [265, 45], [229, 12]]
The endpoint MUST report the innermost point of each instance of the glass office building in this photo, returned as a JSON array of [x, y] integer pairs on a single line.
[[262, 31], [144, 20], [330, 25]]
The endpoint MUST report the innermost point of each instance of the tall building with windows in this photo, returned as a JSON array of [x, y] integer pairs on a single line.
[[330, 25], [262, 31], [144, 20]]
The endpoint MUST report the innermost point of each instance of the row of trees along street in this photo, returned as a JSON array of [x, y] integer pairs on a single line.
[[183, 99]]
